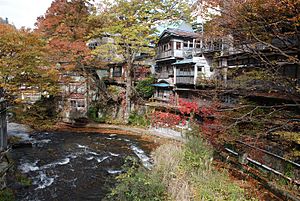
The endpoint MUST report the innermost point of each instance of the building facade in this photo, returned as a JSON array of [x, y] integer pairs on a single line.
[[184, 62]]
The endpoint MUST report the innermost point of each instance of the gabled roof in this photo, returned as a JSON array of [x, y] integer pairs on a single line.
[[182, 25], [179, 29], [179, 33]]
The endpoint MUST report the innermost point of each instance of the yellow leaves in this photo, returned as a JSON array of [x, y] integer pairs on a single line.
[[291, 136], [23, 60]]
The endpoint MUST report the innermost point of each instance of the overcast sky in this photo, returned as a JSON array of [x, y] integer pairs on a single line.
[[23, 12]]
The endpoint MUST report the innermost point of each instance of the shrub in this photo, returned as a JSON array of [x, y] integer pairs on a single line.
[[7, 195], [138, 120], [42, 115], [208, 183], [137, 185], [93, 115], [144, 88]]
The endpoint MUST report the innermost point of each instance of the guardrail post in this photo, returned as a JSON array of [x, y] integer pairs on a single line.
[[3, 126]]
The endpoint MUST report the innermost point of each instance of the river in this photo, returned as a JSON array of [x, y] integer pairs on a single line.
[[73, 166]]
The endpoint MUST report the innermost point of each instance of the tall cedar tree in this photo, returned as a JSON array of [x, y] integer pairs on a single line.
[[22, 62], [131, 25]]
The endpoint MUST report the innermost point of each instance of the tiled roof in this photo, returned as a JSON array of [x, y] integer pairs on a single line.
[[178, 32]]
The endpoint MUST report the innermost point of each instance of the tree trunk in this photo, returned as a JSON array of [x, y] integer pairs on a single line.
[[129, 73]]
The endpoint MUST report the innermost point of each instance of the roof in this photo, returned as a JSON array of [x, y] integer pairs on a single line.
[[182, 25], [180, 33], [160, 85], [185, 61]]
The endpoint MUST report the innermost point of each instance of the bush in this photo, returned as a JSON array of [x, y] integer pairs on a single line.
[[138, 185], [7, 195], [144, 88], [93, 115], [208, 183], [42, 115], [138, 120]]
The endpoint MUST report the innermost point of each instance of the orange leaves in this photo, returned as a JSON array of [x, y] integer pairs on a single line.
[[22, 61], [65, 26]]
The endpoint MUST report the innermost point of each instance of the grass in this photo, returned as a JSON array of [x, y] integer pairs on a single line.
[[138, 120], [137, 185], [7, 195], [208, 183], [181, 172]]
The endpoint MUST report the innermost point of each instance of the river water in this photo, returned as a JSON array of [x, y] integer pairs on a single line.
[[73, 166]]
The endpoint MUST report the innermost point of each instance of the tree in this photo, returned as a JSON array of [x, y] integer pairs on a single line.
[[131, 25], [144, 88], [22, 62], [65, 26], [268, 31]]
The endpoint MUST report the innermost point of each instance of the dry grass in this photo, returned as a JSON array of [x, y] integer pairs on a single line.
[[168, 158], [188, 173]]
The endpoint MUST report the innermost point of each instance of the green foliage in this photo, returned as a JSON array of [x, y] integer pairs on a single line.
[[138, 185], [23, 180], [7, 195], [23, 62], [93, 115], [209, 184], [198, 154], [144, 88], [138, 120], [131, 25]]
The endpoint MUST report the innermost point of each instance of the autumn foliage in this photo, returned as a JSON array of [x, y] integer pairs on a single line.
[[187, 107], [210, 124], [23, 62], [65, 26]]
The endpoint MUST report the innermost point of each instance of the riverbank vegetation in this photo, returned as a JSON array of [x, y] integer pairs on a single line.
[[42, 115], [180, 172], [7, 195]]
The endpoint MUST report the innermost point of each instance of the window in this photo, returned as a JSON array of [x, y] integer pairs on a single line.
[[170, 45], [185, 44], [199, 68], [73, 103], [80, 104], [191, 44], [198, 44], [117, 72], [178, 45]]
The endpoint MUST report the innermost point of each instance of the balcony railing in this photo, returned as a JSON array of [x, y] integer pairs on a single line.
[[185, 73], [161, 55], [170, 53], [184, 80], [164, 75]]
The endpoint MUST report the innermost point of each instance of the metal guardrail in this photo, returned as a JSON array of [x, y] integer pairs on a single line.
[[257, 170], [261, 165], [3, 125]]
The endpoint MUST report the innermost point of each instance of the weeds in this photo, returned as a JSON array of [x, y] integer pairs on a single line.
[[138, 120], [181, 172], [137, 185], [7, 195]]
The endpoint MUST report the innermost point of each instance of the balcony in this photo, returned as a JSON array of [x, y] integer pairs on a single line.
[[185, 80], [170, 54], [164, 75]]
